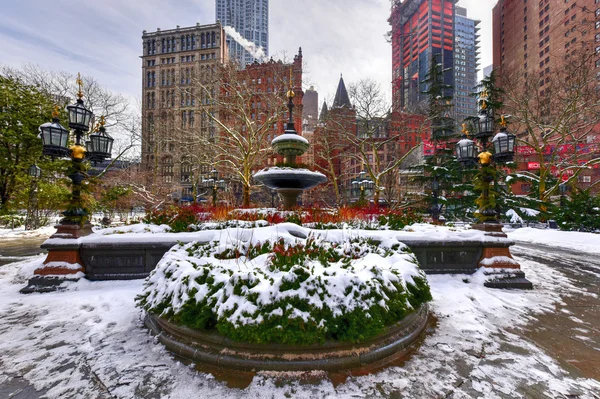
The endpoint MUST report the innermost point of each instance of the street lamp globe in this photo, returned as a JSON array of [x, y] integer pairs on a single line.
[[99, 146], [55, 138], [35, 171], [466, 151], [485, 124], [79, 116], [504, 146]]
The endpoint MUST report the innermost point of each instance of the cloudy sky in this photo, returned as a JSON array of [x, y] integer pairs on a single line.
[[102, 38]]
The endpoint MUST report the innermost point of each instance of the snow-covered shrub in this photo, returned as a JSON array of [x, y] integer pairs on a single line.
[[286, 290]]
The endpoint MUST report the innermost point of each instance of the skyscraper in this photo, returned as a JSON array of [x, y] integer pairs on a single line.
[[421, 29], [250, 18], [466, 61]]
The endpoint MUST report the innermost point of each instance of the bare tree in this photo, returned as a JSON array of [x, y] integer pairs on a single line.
[[242, 111], [373, 145], [555, 118]]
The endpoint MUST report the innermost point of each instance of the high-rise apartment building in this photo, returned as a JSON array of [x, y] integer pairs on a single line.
[[533, 43], [421, 30], [172, 62], [466, 62], [250, 18]]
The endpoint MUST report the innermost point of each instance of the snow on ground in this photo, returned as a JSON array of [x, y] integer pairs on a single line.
[[20, 232], [586, 242], [89, 341]]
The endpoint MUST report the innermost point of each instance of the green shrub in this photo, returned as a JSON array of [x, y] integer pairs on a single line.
[[301, 292]]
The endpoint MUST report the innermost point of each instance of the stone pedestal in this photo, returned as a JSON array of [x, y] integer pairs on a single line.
[[503, 270], [289, 197], [63, 262]]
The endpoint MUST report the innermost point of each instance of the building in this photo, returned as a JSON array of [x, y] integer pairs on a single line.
[[420, 31], [487, 71], [310, 110], [533, 42], [176, 64], [172, 60], [466, 62], [250, 18]]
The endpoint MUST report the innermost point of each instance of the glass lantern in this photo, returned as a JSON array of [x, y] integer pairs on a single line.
[[99, 146], [485, 124], [79, 116], [55, 139], [466, 151], [504, 146]]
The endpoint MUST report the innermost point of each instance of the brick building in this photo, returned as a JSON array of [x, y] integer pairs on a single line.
[[176, 63], [534, 41]]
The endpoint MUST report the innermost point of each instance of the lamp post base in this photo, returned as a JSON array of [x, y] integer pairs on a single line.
[[504, 271], [63, 263]]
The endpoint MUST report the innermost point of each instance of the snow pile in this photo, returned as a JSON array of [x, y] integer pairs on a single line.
[[289, 137], [238, 281], [139, 228], [574, 240]]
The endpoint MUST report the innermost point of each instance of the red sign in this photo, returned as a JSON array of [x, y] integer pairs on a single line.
[[525, 150], [428, 148], [533, 165]]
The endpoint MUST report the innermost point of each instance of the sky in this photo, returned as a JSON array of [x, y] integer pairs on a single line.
[[102, 38]]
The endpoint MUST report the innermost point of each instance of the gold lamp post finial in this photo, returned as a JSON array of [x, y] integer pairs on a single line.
[[80, 84], [465, 130], [56, 111], [502, 121], [102, 120], [290, 92]]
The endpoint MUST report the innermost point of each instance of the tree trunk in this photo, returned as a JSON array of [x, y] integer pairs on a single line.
[[246, 196]]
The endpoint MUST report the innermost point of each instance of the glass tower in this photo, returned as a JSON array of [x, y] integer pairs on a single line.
[[466, 62], [250, 18]]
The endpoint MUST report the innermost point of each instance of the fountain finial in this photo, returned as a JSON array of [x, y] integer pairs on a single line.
[[290, 94]]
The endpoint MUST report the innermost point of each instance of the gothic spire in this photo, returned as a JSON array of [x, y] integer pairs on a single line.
[[341, 96]]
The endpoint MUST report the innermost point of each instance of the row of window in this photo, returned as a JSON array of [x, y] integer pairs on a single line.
[[184, 43]]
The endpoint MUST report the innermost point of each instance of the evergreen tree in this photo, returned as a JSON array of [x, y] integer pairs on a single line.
[[24, 108], [455, 183]]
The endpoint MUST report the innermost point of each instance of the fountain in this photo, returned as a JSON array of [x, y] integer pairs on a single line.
[[289, 181]]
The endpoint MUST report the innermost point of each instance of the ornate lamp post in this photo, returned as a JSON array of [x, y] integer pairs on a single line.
[[361, 184], [435, 210], [64, 258], [562, 187], [32, 220], [506, 271], [213, 183]]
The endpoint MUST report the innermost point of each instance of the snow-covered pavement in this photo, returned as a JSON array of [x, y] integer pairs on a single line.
[[88, 341]]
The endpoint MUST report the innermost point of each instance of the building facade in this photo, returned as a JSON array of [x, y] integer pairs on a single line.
[[420, 31], [173, 61], [466, 64], [534, 41], [250, 18]]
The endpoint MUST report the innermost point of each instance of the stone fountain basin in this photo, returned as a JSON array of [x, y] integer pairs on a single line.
[[214, 349], [289, 178]]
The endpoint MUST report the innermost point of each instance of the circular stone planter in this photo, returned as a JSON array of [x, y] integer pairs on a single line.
[[214, 349]]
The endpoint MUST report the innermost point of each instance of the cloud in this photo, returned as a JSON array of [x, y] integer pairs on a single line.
[[103, 38]]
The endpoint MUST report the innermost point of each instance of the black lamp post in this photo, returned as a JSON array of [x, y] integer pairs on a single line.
[[361, 184], [213, 183], [435, 210], [562, 187], [32, 219], [55, 140], [503, 147]]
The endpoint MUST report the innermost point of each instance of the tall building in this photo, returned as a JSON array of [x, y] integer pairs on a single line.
[[172, 60], [310, 109], [250, 18], [535, 41], [466, 62], [421, 29]]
